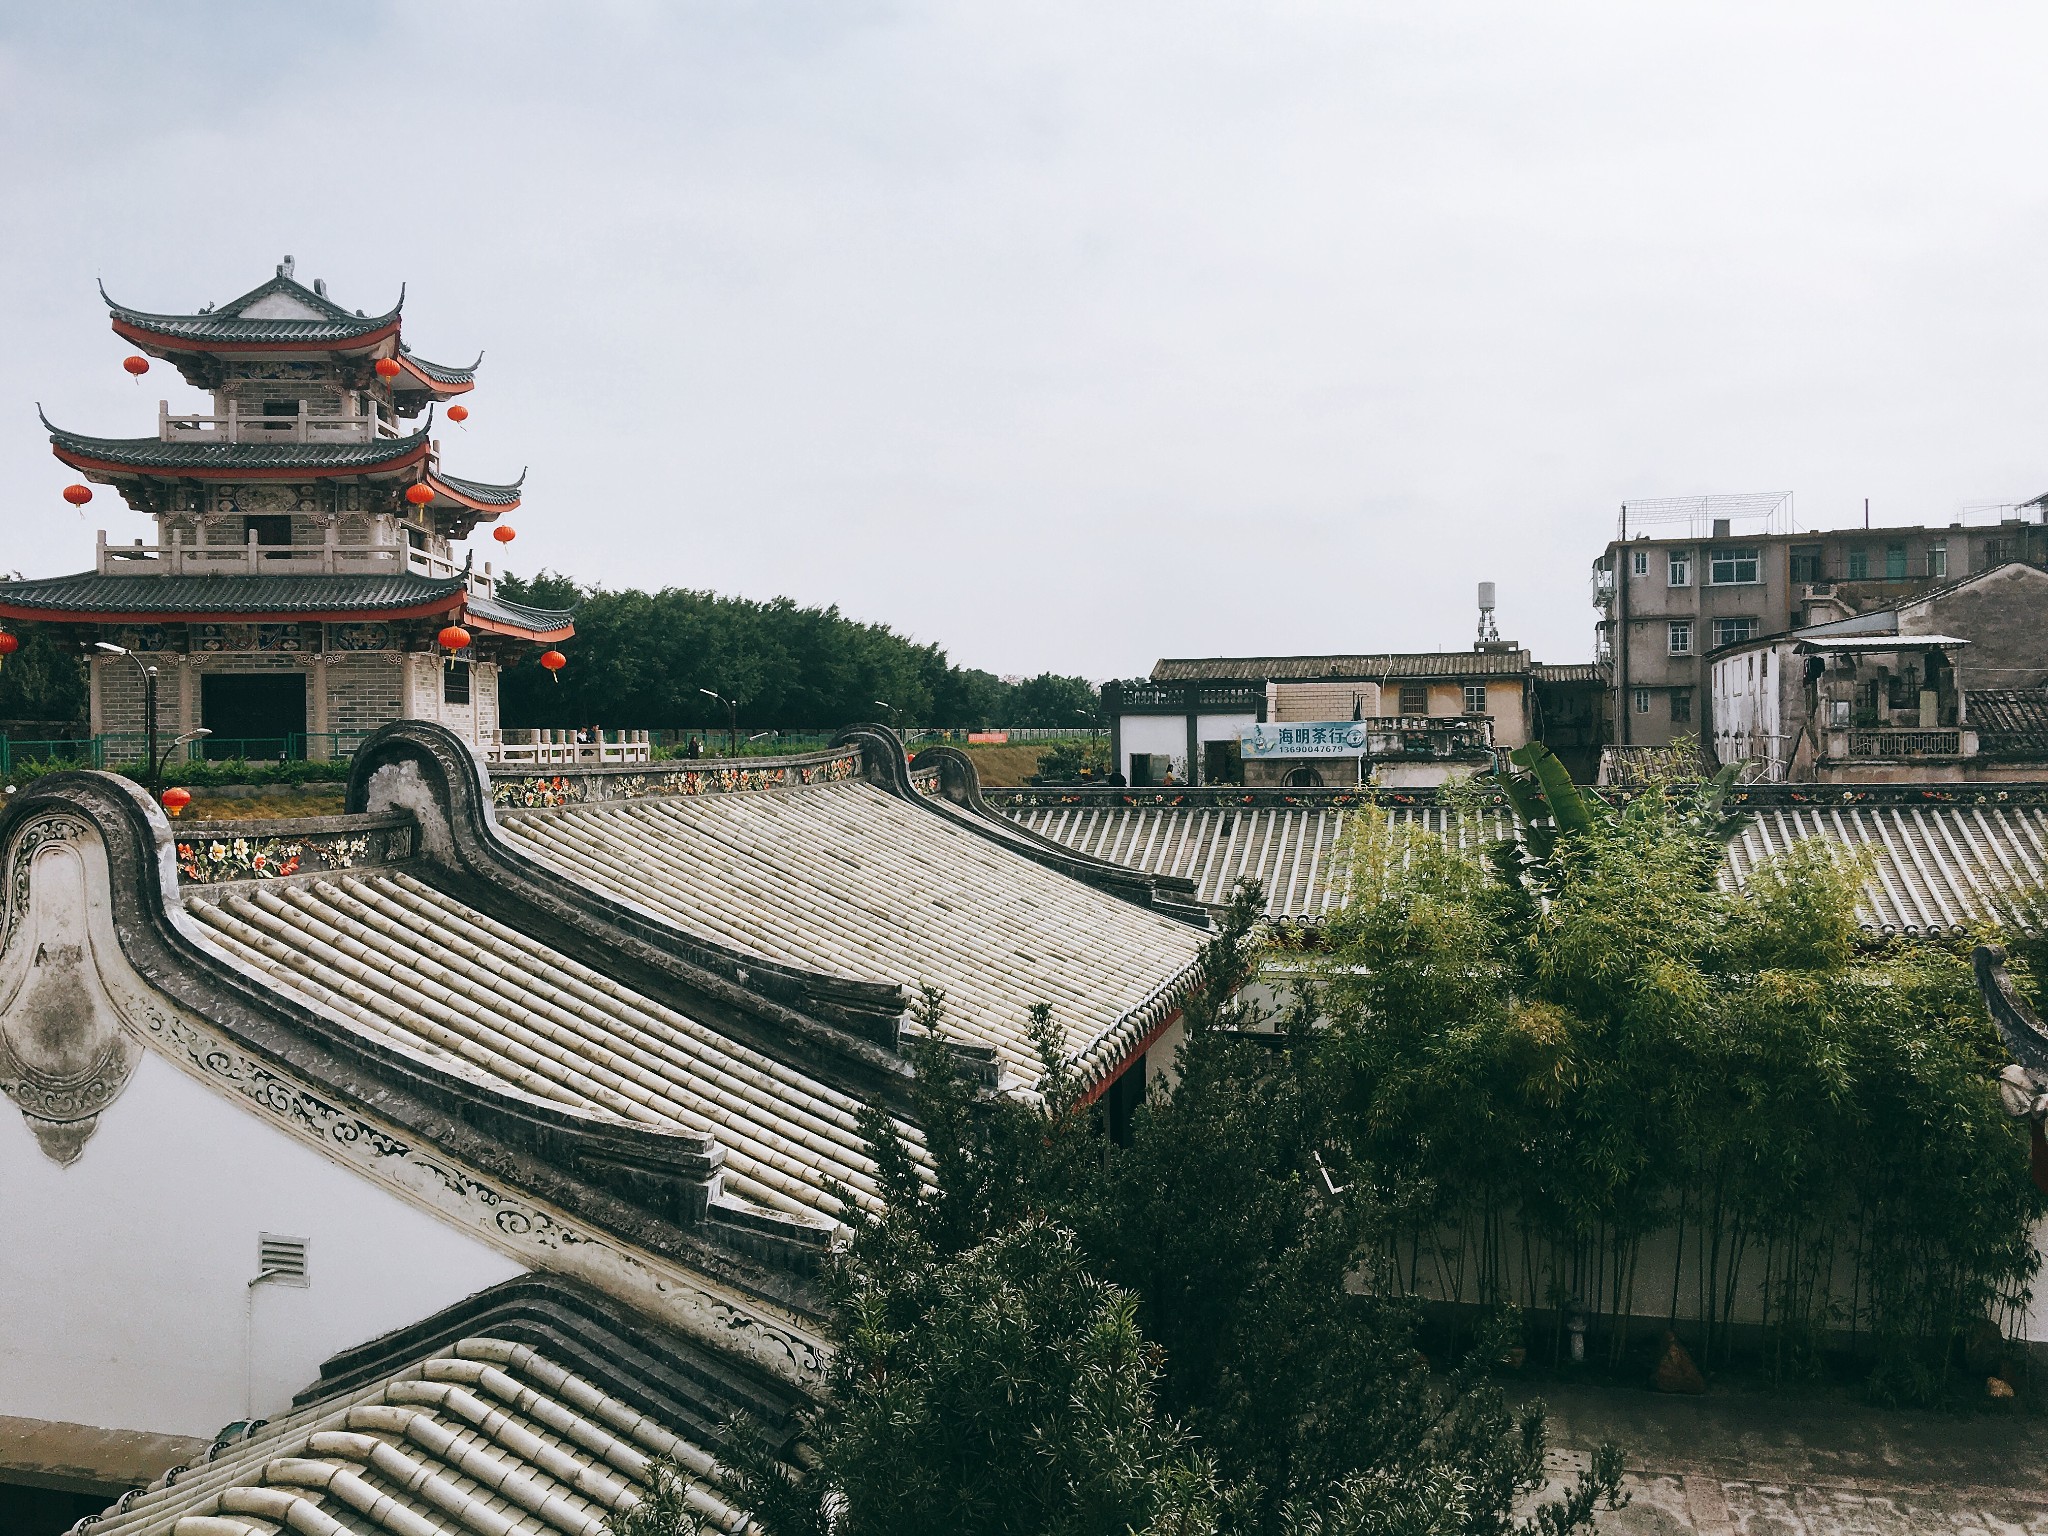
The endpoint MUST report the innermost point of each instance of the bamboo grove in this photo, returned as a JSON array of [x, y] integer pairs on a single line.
[[1610, 1086]]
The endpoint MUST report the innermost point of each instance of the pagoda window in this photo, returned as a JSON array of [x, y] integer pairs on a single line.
[[280, 407], [455, 683]]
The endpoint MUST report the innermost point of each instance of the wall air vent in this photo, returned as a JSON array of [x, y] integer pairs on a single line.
[[281, 1260]]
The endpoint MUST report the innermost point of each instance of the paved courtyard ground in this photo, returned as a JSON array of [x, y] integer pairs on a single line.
[[1746, 1465]]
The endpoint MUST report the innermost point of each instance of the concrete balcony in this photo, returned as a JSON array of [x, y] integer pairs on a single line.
[[327, 558], [1899, 743], [235, 427]]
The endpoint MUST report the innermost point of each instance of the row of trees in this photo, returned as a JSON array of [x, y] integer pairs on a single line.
[[641, 659]]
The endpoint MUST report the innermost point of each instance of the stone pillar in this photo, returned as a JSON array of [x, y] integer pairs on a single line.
[[317, 712]]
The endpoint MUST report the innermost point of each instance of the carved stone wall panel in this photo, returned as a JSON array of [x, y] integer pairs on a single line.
[[65, 1054]]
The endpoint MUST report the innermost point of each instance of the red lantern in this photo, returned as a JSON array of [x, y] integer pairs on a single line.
[[136, 365], [78, 495], [9, 644], [458, 414], [504, 535], [554, 661], [419, 495], [176, 799], [387, 368], [453, 638]]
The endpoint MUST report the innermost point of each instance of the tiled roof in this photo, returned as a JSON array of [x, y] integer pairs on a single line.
[[88, 592], [518, 615], [440, 373], [1258, 669], [149, 453], [1291, 850], [847, 879], [1937, 865], [227, 323], [419, 971], [2009, 709], [487, 1435], [483, 490], [1569, 672]]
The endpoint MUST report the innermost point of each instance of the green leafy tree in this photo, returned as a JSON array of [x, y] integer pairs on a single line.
[[45, 679], [1049, 1333]]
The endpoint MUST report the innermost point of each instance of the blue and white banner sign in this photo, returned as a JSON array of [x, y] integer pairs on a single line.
[[1326, 738]]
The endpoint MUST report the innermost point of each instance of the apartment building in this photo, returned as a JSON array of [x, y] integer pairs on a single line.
[[1665, 603]]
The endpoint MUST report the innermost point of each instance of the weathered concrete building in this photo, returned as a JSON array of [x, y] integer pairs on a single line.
[[1665, 603], [1886, 695], [1409, 719]]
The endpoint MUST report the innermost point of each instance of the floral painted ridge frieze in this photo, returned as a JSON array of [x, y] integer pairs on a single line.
[[212, 861]]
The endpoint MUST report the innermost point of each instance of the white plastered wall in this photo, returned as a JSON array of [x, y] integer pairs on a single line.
[[124, 1295], [1165, 735]]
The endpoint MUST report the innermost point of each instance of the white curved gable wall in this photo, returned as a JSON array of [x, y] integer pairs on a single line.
[[125, 1280]]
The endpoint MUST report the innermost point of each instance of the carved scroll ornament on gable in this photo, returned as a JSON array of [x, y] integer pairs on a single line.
[[64, 1053]]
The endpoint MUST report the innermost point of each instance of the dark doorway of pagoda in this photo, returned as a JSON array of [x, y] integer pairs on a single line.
[[270, 532], [254, 714]]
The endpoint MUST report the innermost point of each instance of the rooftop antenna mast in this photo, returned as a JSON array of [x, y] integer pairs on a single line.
[[1488, 630]]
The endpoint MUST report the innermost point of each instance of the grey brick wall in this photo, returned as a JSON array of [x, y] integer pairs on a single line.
[[364, 691]]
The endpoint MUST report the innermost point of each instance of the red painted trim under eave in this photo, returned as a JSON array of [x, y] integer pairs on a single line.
[[200, 472], [338, 616], [539, 636], [1144, 1045], [434, 385], [147, 339]]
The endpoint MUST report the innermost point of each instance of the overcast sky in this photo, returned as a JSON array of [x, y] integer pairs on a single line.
[[1073, 335]]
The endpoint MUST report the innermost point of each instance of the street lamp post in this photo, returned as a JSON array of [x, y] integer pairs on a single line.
[[153, 761], [148, 675], [732, 720]]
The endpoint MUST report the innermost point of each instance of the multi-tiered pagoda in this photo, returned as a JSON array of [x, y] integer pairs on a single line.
[[305, 560]]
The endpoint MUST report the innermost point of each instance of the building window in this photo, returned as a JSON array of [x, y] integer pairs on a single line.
[[1997, 552], [1304, 778], [455, 682], [1895, 562], [1681, 706], [1641, 563], [1937, 558], [1475, 698], [1859, 564], [1415, 698], [1806, 562], [1732, 567], [1680, 637], [1642, 701], [1680, 568], [1728, 631]]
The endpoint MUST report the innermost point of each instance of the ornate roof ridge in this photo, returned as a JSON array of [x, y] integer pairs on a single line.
[[232, 310]]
